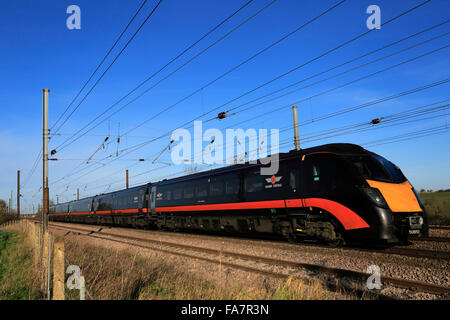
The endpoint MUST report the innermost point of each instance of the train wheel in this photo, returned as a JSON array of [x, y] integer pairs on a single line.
[[337, 242], [336, 239], [292, 238]]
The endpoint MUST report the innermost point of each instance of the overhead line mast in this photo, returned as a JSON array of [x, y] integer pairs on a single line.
[[45, 191]]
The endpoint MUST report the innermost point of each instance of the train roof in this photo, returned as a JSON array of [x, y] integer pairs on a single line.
[[122, 190]]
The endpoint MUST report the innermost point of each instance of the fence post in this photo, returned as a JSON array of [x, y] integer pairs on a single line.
[[49, 260], [35, 244], [44, 261], [39, 245], [82, 288], [58, 271]]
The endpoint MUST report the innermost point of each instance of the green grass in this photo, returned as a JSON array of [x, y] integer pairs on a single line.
[[16, 268], [437, 205]]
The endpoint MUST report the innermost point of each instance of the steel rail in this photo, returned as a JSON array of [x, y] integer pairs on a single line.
[[355, 275]]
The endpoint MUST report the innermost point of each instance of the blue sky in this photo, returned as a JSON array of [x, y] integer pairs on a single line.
[[39, 51]]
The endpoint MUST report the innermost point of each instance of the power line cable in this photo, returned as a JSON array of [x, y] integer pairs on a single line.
[[101, 62], [405, 12], [68, 141], [111, 64], [329, 51], [306, 63], [222, 75]]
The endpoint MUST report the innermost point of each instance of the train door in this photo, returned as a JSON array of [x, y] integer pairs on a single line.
[[141, 198], [153, 200], [293, 175], [319, 176]]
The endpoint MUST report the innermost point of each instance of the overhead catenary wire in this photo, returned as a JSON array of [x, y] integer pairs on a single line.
[[408, 136], [100, 64], [68, 141], [135, 147], [263, 50], [240, 64], [359, 66], [342, 85], [227, 72], [409, 10], [414, 112], [329, 115], [329, 51], [110, 65], [337, 74], [304, 64]]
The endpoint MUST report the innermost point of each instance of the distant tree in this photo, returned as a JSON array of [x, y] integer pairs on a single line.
[[3, 211], [39, 210], [422, 190]]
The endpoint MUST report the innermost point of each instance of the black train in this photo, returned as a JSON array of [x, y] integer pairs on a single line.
[[334, 193]]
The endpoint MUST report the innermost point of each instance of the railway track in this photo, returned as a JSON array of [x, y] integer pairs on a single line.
[[357, 277], [440, 227], [401, 251], [431, 239]]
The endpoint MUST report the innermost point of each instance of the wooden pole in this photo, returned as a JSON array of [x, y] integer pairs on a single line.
[[296, 133], [44, 260], [49, 256], [18, 193], [82, 288], [35, 230], [58, 272]]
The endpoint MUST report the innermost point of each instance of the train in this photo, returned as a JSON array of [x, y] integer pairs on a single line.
[[334, 193]]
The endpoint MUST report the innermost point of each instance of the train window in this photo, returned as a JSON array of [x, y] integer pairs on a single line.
[[188, 192], [216, 188], [323, 175], [201, 190], [253, 182], [168, 195], [369, 168], [232, 185], [394, 171], [177, 194], [293, 179], [316, 173]]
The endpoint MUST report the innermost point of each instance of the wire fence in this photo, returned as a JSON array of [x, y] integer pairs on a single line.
[[49, 261]]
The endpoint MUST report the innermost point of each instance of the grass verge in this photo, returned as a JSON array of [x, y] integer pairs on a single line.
[[16, 268], [437, 205]]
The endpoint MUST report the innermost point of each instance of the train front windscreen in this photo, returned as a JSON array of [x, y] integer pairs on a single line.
[[375, 167]]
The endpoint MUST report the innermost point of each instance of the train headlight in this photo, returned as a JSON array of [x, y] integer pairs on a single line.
[[415, 222], [376, 197]]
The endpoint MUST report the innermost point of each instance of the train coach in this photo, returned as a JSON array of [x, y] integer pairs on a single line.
[[334, 193]]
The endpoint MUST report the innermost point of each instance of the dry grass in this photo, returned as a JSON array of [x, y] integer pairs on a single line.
[[119, 274]]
